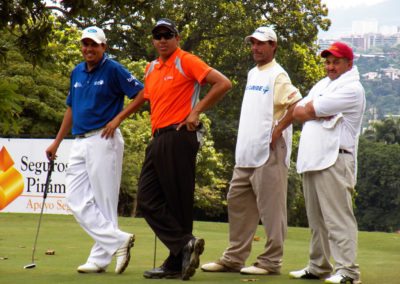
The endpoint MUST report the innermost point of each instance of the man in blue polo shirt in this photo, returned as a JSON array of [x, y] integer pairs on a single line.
[[94, 112]]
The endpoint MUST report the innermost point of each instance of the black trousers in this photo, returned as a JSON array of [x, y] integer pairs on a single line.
[[166, 187]]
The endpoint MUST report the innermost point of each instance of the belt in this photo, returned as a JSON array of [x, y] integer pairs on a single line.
[[343, 151], [89, 133], [160, 131]]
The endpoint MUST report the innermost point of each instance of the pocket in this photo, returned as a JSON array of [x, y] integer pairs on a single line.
[[200, 133], [349, 168]]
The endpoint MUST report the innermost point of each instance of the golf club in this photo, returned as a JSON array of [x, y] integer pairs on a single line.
[[48, 180], [155, 251]]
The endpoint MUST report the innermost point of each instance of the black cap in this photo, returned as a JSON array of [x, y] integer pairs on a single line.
[[167, 23]]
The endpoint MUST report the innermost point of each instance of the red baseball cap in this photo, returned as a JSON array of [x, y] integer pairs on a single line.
[[340, 50]]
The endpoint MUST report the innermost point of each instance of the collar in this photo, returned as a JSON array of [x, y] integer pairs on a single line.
[[101, 63], [170, 61]]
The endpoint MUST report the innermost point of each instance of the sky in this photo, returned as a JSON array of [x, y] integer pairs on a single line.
[[343, 12]]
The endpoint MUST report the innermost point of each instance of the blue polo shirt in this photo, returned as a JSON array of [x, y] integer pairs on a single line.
[[96, 97]]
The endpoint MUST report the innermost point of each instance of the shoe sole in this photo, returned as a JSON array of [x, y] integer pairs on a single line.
[[128, 255], [99, 270], [194, 261], [255, 273], [170, 276], [221, 270], [92, 271], [347, 282]]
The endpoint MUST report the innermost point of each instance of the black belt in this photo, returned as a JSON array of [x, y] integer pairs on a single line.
[[343, 151], [160, 131]]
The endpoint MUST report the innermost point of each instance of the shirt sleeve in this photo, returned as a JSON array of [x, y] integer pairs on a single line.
[[339, 101], [286, 93], [195, 68], [128, 83]]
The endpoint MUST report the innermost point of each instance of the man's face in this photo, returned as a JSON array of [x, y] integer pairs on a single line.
[[165, 42], [263, 51], [92, 52], [336, 66]]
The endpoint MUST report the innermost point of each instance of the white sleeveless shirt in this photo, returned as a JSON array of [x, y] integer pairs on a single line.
[[256, 119]]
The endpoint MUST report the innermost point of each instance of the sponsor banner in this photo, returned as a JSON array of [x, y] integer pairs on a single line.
[[23, 171]]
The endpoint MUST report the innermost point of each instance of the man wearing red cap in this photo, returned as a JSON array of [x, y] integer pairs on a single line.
[[332, 116]]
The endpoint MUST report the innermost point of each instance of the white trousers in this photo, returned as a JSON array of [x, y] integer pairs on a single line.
[[93, 180]]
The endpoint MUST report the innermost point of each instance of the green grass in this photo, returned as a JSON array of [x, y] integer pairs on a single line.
[[379, 253]]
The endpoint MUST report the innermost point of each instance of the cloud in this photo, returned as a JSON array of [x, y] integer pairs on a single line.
[[346, 4]]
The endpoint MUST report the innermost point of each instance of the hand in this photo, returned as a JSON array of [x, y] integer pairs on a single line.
[[51, 151], [276, 134], [109, 129], [192, 122]]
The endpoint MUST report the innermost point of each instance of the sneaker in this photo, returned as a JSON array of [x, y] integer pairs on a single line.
[[342, 279], [302, 274], [254, 270], [190, 257], [217, 267], [90, 267], [123, 255]]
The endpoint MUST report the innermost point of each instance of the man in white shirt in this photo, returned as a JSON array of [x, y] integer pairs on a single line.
[[332, 116], [259, 184]]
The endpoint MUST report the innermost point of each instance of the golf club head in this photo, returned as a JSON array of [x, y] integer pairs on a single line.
[[30, 266]]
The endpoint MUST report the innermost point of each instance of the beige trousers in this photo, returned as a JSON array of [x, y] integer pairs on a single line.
[[254, 194], [328, 198]]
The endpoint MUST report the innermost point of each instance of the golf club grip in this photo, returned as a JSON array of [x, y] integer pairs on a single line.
[[48, 178]]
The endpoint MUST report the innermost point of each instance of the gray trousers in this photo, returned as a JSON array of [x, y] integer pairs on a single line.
[[254, 194], [328, 198]]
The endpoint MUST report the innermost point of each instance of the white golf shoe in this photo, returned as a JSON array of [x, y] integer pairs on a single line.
[[342, 279], [254, 270], [123, 255], [303, 274], [217, 267], [90, 267]]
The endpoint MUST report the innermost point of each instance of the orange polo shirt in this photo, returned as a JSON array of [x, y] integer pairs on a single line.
[[173, 87]]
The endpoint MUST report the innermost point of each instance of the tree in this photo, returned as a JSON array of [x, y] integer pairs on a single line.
[[387, 131], [378, 188], [9, 105], [137, 133], [30, 23], [39, 91], [297, 215]]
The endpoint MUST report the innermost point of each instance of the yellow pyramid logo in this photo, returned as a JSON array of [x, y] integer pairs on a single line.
[[11, 181]]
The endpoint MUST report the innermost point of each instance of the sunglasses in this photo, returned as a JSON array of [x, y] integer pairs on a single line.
[[167, 35]]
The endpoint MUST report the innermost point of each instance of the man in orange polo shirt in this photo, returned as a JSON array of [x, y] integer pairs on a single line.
[[167, 181]]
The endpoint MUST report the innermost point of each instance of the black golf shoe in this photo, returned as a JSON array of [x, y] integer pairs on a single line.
[[161, 272], [191, 257]]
